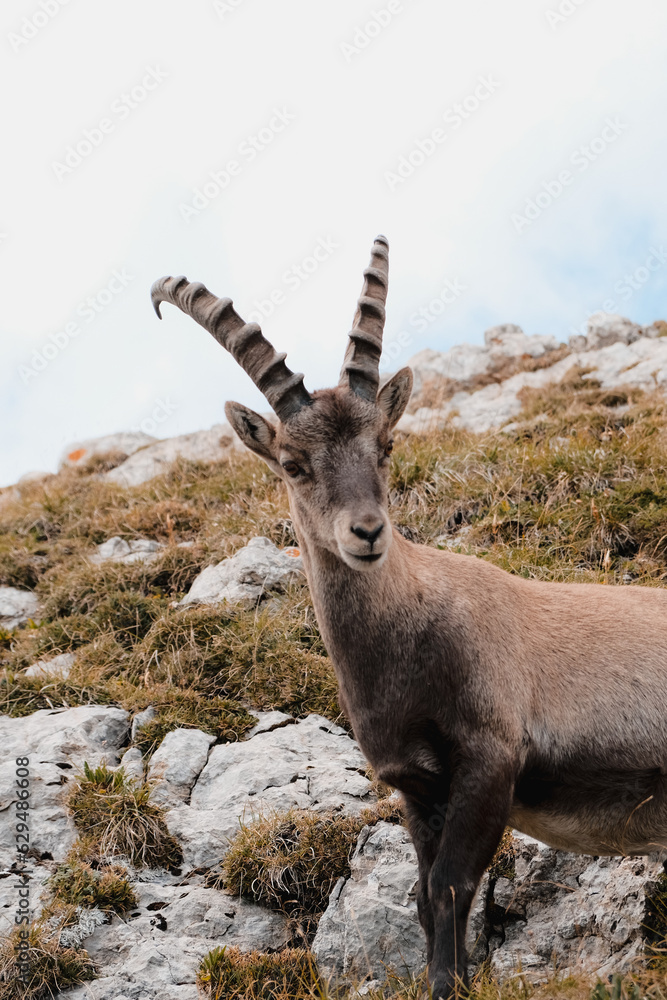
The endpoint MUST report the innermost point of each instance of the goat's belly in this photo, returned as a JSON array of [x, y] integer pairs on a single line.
[[627, 815]]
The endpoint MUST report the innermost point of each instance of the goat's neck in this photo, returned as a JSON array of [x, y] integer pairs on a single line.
[[353, 607]]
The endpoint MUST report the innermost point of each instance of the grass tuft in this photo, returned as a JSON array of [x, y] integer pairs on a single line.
[[118, 819], [290, 861], [45, 968], [77, 883], [230, 974]]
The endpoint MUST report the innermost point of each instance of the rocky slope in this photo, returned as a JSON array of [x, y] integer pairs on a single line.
[[157, 630]]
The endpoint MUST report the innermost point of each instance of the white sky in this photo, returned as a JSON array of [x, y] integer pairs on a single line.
[[220, 72]]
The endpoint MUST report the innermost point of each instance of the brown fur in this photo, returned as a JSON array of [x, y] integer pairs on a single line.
[[485, 698]]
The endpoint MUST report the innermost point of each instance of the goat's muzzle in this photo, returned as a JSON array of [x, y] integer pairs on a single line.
[[363, 541]]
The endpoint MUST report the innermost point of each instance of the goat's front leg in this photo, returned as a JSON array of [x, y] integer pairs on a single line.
[[477, 812], [426, 824]]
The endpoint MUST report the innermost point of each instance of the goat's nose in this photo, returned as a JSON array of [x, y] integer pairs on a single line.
[[367, 534]]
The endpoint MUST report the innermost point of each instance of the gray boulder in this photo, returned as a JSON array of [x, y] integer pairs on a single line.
[[641, 364], [156, 952], [176, 764], [371, 926], [123, 443], [142, 719], [117, 549], [559, 910], [604, 329], [56, 743], [57, 667], [571, 909], [465, 361], [132, 763], [213, 445], [268, 721], [16, 607], [258, 567], [312, 764], [509, 341]]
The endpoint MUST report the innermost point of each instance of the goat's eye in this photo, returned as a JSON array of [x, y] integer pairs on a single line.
[[291, 468], [390, 447]]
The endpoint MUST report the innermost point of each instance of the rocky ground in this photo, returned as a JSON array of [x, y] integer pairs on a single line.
[[127, 617]]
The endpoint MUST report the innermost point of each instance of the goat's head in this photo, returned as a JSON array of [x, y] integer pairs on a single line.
[[330, 447]]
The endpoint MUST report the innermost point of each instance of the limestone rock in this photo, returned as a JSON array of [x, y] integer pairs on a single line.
[[177, 763], [38, 894], [268, 721], [509, 341], [604, 329], [312, 764], [142, 719], [575, 909], [58, 667], [258, 567], [123, 443], [465, 361], [212, 445], [641, 364], [156, 950], [57, 743], [117, 987], [132, 763], [117, 549], [16, 607], [370, 925]]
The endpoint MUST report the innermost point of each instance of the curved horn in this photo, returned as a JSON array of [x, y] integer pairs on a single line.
[[360, 371], [284, 391]]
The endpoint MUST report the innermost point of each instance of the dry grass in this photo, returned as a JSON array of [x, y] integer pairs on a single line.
[[577, 491], [47, 967], [77, 882], [229, 974], [290, 861], [439, 389], [117, 819]]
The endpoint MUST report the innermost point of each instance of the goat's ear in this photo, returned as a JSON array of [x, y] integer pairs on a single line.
[[394, 395], [254, 431]]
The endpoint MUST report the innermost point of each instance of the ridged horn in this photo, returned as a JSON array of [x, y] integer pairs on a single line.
[[284, 391], [360, 371]]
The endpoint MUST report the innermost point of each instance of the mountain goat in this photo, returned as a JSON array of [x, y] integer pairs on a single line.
[[485, 698]]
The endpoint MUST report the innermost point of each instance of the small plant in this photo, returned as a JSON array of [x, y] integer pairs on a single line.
[[118, 818], [224, 718], [619, 989], [229, 974], [77, 883], [290, 861], [503, 863], [45, 968], [655, 921]]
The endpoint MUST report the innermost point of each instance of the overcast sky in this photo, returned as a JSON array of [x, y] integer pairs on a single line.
[[513, 154]]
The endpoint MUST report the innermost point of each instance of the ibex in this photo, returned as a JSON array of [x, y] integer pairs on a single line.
[[499, 700]]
